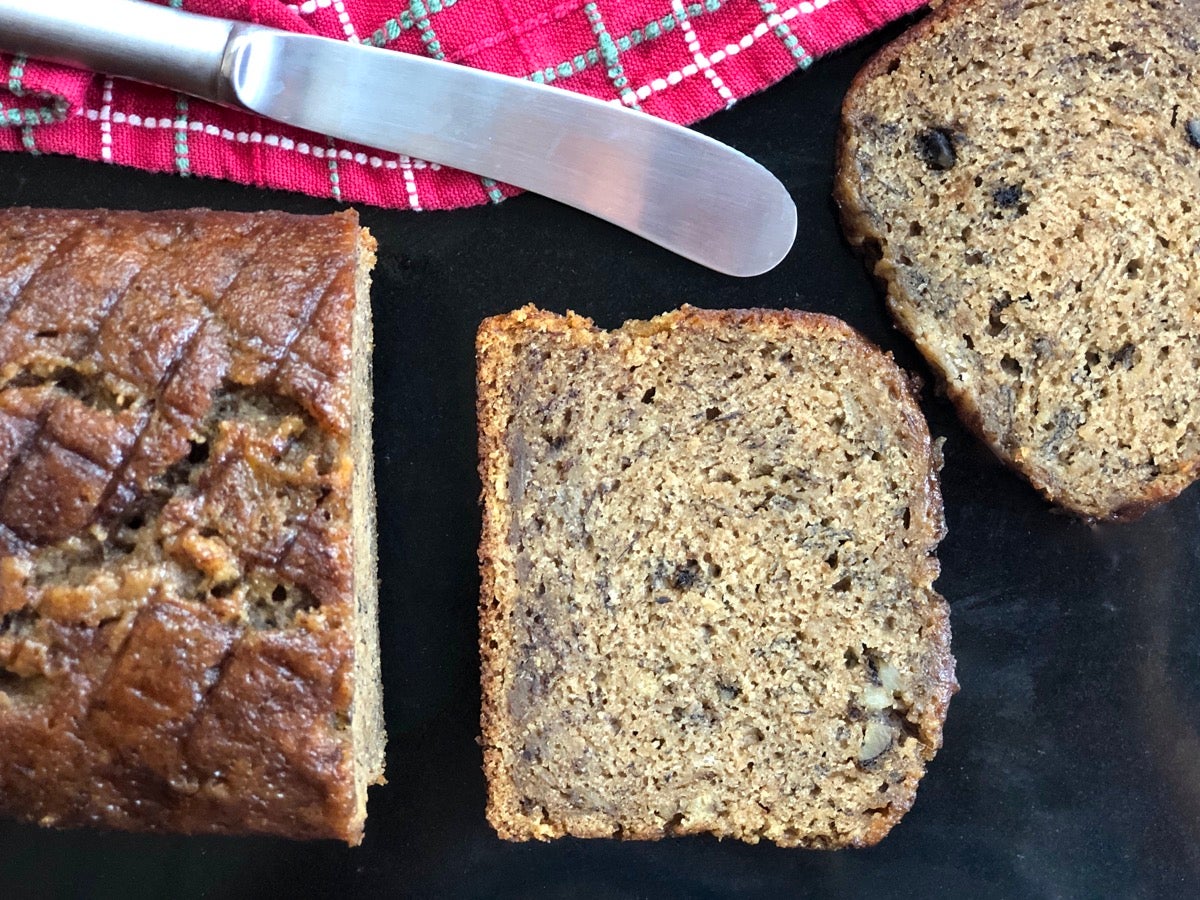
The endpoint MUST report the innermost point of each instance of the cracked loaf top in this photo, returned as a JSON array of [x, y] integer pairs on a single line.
[[179, 632]]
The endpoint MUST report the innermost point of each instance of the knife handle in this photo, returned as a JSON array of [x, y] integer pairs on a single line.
[[126, 38]]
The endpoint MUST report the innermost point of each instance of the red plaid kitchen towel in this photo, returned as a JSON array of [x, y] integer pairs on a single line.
[[677, 59]]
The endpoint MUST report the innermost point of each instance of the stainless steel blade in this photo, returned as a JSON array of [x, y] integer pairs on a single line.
[[673, 186], [676, 187]]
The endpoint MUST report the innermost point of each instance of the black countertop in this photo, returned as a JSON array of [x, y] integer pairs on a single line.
[[1071, 765]]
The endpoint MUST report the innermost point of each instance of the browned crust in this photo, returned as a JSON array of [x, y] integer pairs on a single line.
[[178, 714], [869, 243], [494, 342]]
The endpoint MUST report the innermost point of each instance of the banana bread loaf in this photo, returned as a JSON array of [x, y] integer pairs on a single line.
[[707, 557], [1025, 177], [187, 571]]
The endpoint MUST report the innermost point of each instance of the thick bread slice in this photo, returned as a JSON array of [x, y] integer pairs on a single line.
[[1025, 176], [708, 557]]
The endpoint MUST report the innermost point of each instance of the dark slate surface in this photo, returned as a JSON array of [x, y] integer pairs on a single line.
[[1071, 765]]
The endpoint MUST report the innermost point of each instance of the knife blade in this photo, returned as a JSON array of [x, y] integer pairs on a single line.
[[680, 189]]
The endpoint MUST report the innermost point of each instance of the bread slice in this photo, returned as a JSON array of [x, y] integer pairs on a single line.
[[1025, 177], [707, 556], [187, 538]]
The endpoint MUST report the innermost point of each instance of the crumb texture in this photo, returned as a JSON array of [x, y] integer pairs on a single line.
[[708, 558], [1025, 176], [177, 597]]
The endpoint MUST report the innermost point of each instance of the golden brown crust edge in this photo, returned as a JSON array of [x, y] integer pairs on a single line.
[[868, 243], [493, 341]]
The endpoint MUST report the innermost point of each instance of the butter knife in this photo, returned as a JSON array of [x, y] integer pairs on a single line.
[[678, 188]]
